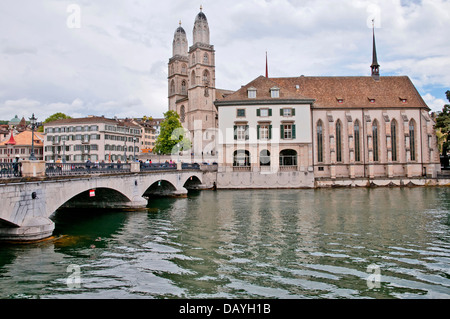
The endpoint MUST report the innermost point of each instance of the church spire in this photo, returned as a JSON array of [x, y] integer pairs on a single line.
[[375, 67]]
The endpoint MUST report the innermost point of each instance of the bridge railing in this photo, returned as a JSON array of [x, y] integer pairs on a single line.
[[69, 169], [145, 167], [190, 166], [10, 170]]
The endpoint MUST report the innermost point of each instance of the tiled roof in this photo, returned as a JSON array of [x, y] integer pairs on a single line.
[[24, 138], [90, 120], [339, 92]]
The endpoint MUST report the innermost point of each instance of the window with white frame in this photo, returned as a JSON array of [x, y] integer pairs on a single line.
[[241, 132], [251, 93], [287, 131], [264, 130], [275, 93]]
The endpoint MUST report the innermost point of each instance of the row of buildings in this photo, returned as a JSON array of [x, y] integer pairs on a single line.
[[77, 140], [295, 131], [273, 132]]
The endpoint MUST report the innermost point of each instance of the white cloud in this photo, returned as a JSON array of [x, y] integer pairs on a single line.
[[116, 62], [435, 104]]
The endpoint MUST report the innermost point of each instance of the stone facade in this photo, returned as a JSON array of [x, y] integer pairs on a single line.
[[324, 128], [192, 85]]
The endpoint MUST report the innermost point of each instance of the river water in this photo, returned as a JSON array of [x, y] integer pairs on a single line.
[[326, 243]]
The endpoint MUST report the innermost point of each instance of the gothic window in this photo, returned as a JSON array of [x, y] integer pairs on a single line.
[[172, 87], [319, 141], [206, 59], [206, 78], [394, 139], [193, 58], [357, 142], [193, 78], [183, 87], [338, 141], [182, 114], [183, 69], [375, 140], [412, 141]]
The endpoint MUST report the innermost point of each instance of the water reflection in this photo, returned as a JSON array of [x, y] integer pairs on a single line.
[[246, 244]]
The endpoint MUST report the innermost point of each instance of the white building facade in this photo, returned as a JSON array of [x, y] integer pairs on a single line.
[[94, 138]]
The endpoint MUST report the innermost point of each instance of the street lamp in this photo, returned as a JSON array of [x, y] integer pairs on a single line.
[[33, 124], [134, 148], [64, 151]]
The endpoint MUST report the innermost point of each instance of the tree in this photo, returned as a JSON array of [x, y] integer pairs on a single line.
[[443, 126], [172, 139], [54, 117]]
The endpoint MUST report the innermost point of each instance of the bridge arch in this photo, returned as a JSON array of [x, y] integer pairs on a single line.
[[192, 183], [160, 187], [97, 198]]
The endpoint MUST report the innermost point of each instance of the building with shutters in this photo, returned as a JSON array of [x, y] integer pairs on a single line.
[[311, 131]]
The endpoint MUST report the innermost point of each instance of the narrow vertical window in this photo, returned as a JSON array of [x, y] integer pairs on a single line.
[[394, 140], [182, 114], [412, 142], [319, 142], [357, 142], [375, 140], [338, 141]]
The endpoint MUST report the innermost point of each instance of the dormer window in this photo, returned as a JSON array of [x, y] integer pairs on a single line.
[[274, 92], [251, 93], [403, 100], [340, 100], [371, 100]]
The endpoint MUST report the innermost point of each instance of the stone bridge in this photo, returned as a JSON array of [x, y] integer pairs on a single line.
[[28, 203]]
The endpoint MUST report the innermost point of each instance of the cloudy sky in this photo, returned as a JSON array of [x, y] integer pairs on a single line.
[[109, 57]]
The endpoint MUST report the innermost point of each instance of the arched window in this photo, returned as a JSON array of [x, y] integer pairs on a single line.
[[375, 140], [183, 69], [288, 158], [182, 114], [193, 78], [193, 59], [264, 158], [241, 158], [412, 140], [172, 87], [206, 78], [320, 141], [394, 139], [183, 87], [206, 59], [357, 142], [339, 141]]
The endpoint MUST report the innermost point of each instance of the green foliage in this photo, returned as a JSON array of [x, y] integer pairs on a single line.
[[172, 138], [54, 117], [443, 126]]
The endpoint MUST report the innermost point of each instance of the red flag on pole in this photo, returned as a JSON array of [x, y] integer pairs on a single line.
[[267, 67]]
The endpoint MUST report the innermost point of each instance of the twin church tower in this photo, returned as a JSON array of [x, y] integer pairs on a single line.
[[191, 81]]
